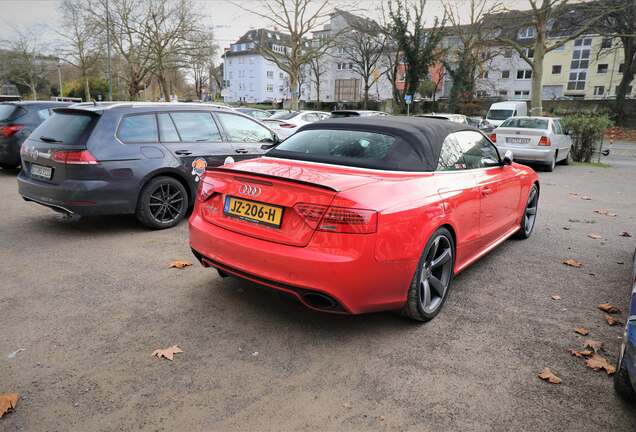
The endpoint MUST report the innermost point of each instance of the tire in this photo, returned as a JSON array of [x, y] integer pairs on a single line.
[[550, 167], [567, 159], [424, 301], [162, 203], [622, 383], [8, 166], [529, 216]]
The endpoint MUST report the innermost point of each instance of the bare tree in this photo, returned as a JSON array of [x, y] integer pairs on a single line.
[[364, 47], [535, 24], [24, 63], [620, 25], [82, 43], [299, 19], [317, 68], [166, 31], [471, 46], [200, 59], [415, 43]]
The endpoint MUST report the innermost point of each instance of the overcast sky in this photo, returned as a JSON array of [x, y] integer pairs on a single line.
[[227, 20]]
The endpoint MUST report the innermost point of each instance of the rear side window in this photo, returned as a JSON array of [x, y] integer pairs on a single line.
[[196, 126], [67, 128], [167, 130], [242, 129], [6, 110], [138, 129]]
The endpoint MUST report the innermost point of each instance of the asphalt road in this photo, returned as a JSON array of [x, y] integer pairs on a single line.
[[90, 300]]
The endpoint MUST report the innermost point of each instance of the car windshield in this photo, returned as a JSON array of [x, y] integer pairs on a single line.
[[64, 127], [342, 114], [347, 147], [6, 110], [498, 114], [525, 123], [284, 115]]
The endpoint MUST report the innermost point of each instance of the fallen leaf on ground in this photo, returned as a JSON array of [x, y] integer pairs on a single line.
[[609, 308], [598, 362], [8, 402], [167, 353], [547, 375], [582, 353], [567, 228], [593, 344], [347, 405], [582, 331], [556, 297], [574, 194], [572, 263], [612, 321], [625, 234], [595, 236], [605, 212], [586, 198], [574, 220], [179, 264]]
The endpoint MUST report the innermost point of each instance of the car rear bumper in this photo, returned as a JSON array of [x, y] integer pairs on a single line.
[[80, 197], [10, 151], [340, 266], [532, 155]]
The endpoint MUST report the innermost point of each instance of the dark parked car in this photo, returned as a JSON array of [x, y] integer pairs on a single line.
[[136, 158], [17, 121], [625, 376]]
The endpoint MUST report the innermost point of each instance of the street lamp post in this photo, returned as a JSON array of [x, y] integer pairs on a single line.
[[110, 78], [59, 76]]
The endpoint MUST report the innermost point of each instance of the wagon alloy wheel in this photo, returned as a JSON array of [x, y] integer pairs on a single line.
[[166, 203], [435, 274], [531, 211], [162, 203]]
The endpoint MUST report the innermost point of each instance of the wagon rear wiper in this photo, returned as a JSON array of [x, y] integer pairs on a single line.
[[50, 140]]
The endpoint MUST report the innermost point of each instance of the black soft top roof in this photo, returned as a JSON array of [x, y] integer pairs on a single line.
[[424, 135]]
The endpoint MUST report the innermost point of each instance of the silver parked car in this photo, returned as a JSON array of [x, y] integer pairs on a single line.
[[286, 123], [535, 140]]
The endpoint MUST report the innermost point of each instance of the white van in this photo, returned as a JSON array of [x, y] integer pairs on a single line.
[[501, 111]]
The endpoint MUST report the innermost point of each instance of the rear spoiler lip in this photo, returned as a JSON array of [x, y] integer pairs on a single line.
[[76, 111], [250, 173]]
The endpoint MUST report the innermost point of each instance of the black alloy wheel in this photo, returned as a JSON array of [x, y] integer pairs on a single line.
[[163, 203], [529, 216]]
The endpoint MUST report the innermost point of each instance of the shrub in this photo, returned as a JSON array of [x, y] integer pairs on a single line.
[[586, 131]]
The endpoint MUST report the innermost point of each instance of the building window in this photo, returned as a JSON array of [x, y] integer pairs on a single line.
[[503, 92], [606, 43], [599, 90], [576, 80], [601, 68], [280, 75], [505, 74], [350, 65], [519, 93], [528, 52], [527, 33], [621, 68], [556, 69], [339, 66], [270, 74], [524, 74], [270, 88], [583, 42]]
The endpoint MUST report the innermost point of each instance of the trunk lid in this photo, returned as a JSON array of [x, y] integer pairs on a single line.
[[516, 137], [291, 187], [56, 150]]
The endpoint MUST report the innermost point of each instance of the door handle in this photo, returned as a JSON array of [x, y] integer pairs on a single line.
[[183, 152], [487, 190], [241, 150]]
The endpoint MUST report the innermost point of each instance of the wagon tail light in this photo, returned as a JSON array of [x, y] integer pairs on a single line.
[[493, 137], [11, 129], [287, 125], [544, 141], [74, 157], [338, 219]]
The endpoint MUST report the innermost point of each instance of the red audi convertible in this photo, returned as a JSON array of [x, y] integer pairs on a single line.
[[360, 215]]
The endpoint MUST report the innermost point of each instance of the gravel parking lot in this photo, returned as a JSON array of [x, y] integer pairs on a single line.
[[90, 300]]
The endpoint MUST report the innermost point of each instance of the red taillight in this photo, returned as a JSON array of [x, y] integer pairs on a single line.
[[338, 219], [493, 137], [74, 157], [287, 125], [544, 141], [11, 129]]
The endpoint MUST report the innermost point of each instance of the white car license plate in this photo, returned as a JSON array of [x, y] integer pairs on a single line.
[[41, 171], [517, 140]]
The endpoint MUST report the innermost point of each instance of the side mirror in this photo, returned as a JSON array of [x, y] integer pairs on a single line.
[[270, 142], [507, 159]]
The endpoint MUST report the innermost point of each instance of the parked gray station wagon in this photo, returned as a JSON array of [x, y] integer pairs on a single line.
[[141, 158]]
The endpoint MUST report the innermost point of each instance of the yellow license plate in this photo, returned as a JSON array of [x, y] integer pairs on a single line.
[[253, 211]]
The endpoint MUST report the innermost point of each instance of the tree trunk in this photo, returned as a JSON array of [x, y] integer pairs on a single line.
[[34, 90], [365, 102], [163, 83], [87, 89], [536, 106], [293, 87], [318, 94], [629, 47]]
